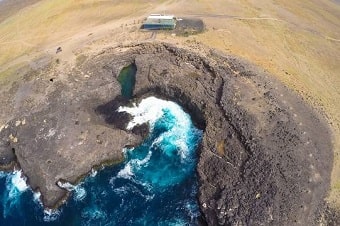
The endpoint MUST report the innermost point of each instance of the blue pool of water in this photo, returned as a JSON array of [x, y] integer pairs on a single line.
[[155, 185]]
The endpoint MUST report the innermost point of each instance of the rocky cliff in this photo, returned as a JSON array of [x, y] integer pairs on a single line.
[[265, 158]]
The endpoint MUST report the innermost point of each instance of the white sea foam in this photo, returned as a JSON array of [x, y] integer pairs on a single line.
[[180, 142], [149, 197], [51, 215], [124, 150], [19, 181], [66, 185], [135, 164], [37, 197], [93, 173], [151, 109], [183, 149], [126, 172], [174, 142], [3, 174], [15, 186], [79, 191], [121, 190], [142, 162], [192, 209]]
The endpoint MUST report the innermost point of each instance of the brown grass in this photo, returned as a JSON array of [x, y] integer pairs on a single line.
[[220, 148], [298, 42]]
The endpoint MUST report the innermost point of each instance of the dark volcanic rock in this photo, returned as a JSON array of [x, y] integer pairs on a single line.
[[56, 132], [265, 158]]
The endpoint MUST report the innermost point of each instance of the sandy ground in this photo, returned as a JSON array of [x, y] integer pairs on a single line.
[[298, 42]]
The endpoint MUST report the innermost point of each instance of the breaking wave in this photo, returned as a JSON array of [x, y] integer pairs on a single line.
[[155, 185], [15, 184]]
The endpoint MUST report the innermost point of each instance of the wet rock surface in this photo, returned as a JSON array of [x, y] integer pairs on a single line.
[[265, 158]]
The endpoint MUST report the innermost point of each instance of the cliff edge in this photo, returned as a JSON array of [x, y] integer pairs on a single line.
[[265, 158]]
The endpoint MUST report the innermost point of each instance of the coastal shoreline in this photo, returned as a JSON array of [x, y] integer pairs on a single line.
[[241, 135]]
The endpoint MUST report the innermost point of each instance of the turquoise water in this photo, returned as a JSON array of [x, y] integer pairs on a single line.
[[155, 185], [127, 80]]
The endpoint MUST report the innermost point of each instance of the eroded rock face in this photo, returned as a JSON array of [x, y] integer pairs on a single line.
[[265, 157], [56, 133]]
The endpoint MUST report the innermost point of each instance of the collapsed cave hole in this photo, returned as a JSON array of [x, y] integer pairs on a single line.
[[127, 80], [118, 119]]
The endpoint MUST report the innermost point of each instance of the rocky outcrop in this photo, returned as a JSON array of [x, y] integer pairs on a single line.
[[265, 157], [55, 132]]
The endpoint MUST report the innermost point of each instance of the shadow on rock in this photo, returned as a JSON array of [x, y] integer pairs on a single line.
[[120, 119]]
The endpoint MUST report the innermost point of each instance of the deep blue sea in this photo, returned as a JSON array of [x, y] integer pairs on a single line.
[[155, 185]]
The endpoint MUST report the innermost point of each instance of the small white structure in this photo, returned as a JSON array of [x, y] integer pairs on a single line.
[[160, 22]]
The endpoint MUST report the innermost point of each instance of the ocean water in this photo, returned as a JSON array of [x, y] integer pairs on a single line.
[[155, 185]]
